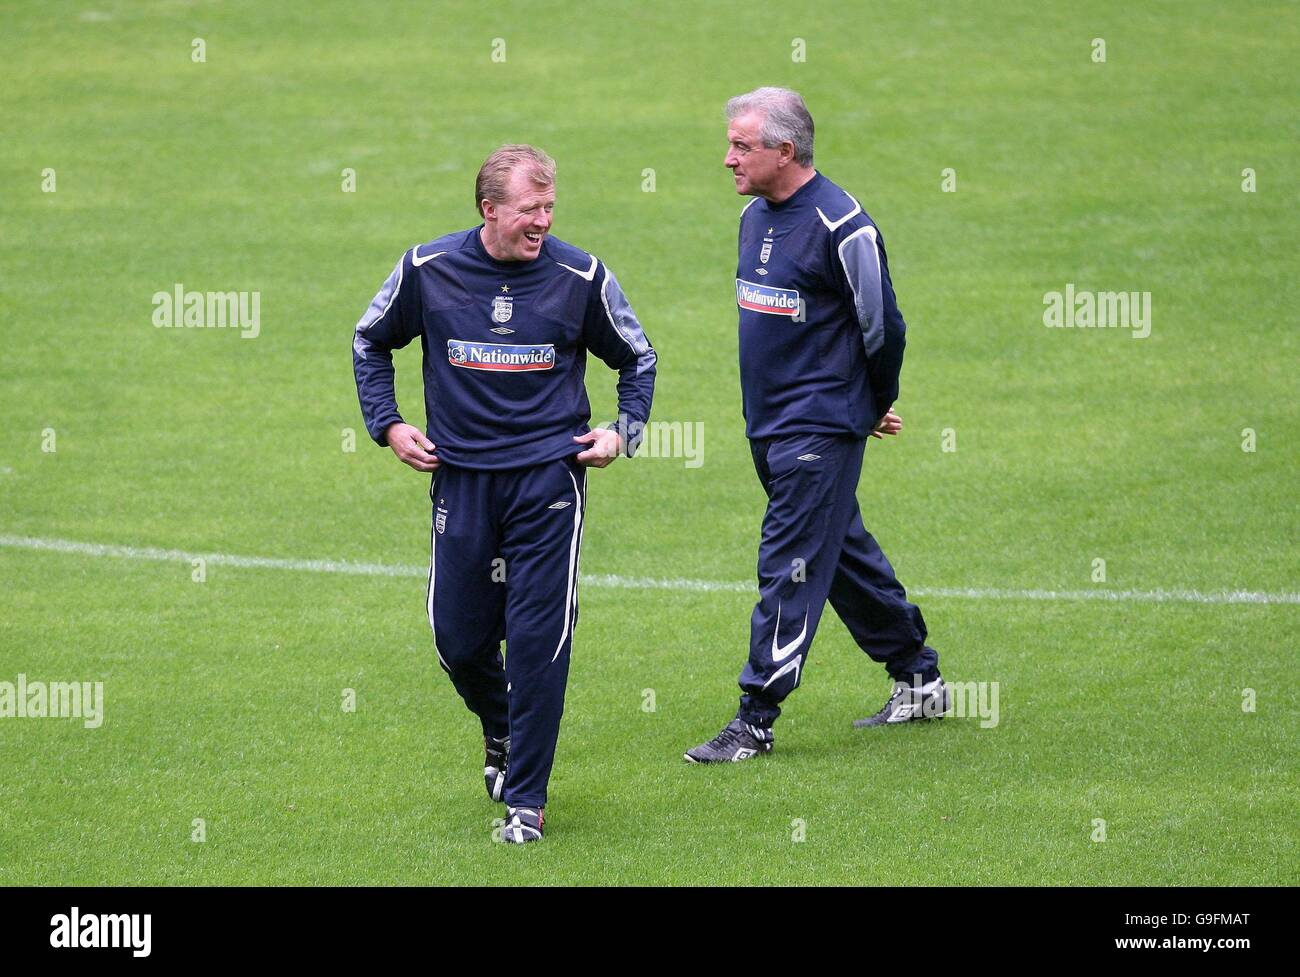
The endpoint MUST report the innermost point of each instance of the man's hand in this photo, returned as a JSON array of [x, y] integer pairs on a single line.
[[890, 424], [412, 447], [605, 446]]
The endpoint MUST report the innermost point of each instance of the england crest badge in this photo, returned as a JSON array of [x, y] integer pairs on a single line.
[[440, 521], [502, 308]]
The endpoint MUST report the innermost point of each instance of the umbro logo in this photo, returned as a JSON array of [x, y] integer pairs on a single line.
[[503, 331], [760, 271], [559, 505], [808, 457]]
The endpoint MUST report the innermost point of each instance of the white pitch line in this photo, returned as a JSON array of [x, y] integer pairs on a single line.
[[215, 559], [1174, 596]]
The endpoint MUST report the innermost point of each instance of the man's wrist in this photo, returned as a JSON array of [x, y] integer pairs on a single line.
[[383, 431], [629, 433], [612, 428]]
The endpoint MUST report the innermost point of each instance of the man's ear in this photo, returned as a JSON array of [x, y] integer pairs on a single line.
[[489, 210]]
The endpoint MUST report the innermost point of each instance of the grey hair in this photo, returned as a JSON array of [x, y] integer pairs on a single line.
[[786, 119]]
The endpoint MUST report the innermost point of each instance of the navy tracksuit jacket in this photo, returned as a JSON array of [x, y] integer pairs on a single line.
[[821, 347], [505, 349]]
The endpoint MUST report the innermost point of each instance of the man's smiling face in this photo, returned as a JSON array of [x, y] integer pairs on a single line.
[[516, 226]]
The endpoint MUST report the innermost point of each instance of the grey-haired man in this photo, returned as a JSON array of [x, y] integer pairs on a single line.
[[821, 347]]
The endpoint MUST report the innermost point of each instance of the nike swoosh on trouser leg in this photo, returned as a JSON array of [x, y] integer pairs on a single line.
[[779, 653]]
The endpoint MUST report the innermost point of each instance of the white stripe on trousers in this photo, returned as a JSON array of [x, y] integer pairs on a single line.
[[433, 553], [574, 545]]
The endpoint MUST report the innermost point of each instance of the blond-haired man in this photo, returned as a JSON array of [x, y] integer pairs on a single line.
[[506, 315]]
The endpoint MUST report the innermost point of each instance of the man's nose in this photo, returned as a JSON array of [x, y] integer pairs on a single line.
[[731, 162]]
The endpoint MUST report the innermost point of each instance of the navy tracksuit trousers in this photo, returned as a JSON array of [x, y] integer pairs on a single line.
[[503, 565], [814, 547]]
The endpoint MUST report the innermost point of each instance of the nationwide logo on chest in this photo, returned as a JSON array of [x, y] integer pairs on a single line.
[[500, 357], [766, 298]]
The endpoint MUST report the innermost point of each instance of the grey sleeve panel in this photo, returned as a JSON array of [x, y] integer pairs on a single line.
[[379, 307], [382, 328], [615, 335], [860, 258], [625, 323]]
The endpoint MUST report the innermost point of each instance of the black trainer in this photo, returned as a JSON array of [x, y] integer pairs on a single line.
[[522, 825], [908, 703], [497, 754], [737, 741]]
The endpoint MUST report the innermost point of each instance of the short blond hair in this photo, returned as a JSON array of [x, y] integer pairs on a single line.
[[494, 174]]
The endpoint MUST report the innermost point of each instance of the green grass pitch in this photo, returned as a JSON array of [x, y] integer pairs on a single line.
[[127, 167]]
